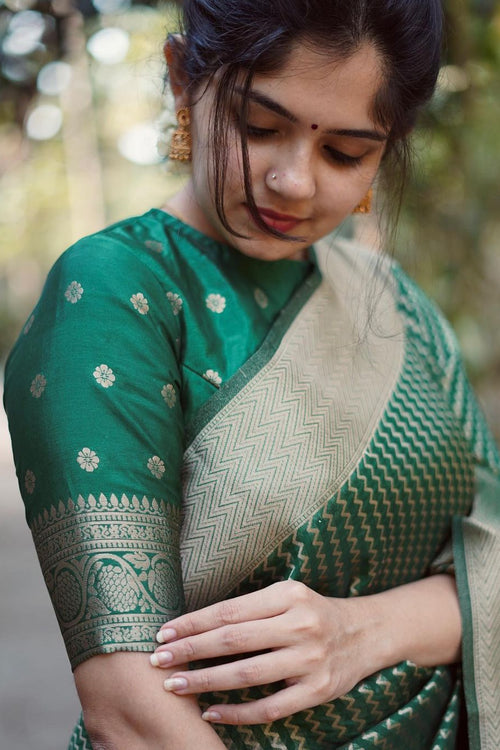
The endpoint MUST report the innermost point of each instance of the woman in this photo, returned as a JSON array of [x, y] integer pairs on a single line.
[[260, 446]]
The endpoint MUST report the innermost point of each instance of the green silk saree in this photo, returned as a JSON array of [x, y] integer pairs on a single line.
[[233, 423]]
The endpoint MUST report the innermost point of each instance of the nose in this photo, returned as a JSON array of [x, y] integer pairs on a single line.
[[292, 175]]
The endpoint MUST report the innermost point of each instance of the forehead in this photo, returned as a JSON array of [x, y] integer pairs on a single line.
[[316, 86]]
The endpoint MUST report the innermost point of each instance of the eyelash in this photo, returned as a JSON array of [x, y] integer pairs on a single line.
[[341, 158], [255, 132], [337, 156]]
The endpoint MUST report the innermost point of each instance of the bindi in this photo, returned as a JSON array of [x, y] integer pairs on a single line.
[[314, 126]]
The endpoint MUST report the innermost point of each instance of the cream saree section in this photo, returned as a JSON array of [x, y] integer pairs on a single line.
[[477, 564], [285, 443]]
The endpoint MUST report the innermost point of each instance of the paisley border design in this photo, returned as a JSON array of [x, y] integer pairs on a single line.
[[111, 566]]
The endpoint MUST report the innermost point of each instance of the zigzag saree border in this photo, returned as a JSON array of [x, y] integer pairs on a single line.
[[112, 569]]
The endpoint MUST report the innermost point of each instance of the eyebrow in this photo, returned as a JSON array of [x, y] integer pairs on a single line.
[[272, 105], [268, 103], [373, 135]]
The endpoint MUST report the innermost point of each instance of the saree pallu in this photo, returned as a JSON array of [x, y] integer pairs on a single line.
[[342, 464], [347, 452]]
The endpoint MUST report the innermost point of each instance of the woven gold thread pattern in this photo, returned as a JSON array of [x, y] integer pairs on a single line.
[[387, 705], [109, 566]]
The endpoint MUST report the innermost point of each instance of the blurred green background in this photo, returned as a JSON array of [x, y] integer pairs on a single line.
[[81, 92]]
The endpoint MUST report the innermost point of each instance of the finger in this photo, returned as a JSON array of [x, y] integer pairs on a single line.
[[264, 711], [242, 638], [256, 670], [268, 602]]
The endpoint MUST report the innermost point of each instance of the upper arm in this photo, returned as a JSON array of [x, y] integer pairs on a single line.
[[92, 394]]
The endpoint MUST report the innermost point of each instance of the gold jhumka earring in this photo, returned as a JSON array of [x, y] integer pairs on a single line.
[[366, 204], [180, 146]]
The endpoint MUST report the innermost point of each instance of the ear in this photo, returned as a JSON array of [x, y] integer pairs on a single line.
[[173, 49]]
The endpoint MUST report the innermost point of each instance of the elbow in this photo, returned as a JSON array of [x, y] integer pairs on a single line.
[[99, 731]]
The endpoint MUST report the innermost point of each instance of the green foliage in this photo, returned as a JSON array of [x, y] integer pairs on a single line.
[[449, 231]]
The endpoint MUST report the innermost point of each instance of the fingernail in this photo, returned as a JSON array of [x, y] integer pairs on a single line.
[[165, 635], [211, 716], [160, 658], [175, 683]]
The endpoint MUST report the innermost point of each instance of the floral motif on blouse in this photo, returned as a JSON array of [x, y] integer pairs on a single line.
[[140, 303], [88, 459], [28, 325], [169, 395], [261, 298], [37, 386], [104, 376], [29, 482], [154, 245], [216, 303], [156, 466], [74, 292], [176, 302], [213, 377]]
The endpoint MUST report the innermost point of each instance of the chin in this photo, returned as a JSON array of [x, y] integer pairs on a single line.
[[263, 249]]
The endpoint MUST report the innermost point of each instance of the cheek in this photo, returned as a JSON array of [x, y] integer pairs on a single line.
[[337, 199], [234, 171], [341, 191], [352, 185]]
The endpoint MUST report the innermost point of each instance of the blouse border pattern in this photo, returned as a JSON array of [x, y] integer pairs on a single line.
[[107, 564]]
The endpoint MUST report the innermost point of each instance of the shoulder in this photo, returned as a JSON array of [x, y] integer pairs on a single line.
[[425, 323], [155, 253], [130, 264], [375, 271], [124, 248], [108, 287]]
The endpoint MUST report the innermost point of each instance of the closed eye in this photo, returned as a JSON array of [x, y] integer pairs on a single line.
[[256, 132], [341, 158]]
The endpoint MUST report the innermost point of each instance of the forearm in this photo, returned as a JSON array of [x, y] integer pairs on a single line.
[[126, 708], [419, 622]]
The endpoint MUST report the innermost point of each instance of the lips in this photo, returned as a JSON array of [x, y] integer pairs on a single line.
[[281, 222]]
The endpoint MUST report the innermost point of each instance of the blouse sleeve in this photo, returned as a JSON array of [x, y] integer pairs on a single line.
[[92, 395]]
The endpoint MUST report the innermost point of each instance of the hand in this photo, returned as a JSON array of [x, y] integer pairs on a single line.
[[315, 644]]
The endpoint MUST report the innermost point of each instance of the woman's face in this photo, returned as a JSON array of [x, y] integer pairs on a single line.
[[314, 150]]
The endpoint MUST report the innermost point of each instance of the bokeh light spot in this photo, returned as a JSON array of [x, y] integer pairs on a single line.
[[44, 122], [54, 78], [111, 6], [17, 5], [138, 144], [109, 46], [24, 33], [453, 79]]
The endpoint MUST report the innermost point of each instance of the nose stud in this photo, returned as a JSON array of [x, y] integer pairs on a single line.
[[274, 176]]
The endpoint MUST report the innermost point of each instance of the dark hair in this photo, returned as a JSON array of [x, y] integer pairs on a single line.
[[231, 37]]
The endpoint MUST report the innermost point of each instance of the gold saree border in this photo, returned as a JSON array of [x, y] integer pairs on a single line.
[[476, 546], [290, 437]]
